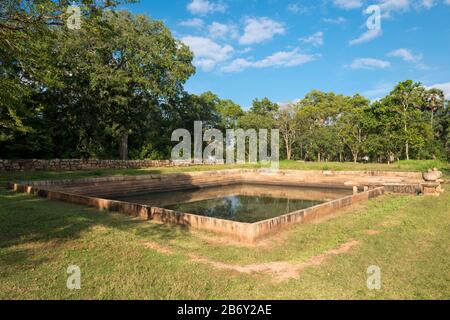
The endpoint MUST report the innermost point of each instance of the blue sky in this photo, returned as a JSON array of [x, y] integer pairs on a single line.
[[282, 49]]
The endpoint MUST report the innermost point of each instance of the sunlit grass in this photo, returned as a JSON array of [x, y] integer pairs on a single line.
[[39, 239]]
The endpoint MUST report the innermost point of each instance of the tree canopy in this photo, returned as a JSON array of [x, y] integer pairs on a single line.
[[115, 89]]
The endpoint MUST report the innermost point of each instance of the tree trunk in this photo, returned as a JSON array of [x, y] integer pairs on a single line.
[[407, 142], [432, 121], [289, 154], [355, 158], [407, 150], [288, 150], [318, 157], [123, 147]]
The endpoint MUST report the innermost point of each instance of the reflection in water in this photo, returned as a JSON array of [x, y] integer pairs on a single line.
[[243, 203], [243, 208]]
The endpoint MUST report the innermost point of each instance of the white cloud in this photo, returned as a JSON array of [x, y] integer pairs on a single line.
[[260, 29], [389, 6], [405, 54], [379, 91], [348, 4], [427, 4], [279, 59], [285, 58], [237, 65], [194, 23], [207, 53], [338, 20], [408, 56], [369, 64], [223, 31], [246, 50], [203, 7], [297, 8], [316, 39], [443, 86], [367, 36]]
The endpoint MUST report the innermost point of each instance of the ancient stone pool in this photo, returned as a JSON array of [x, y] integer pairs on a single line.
[[241, 202], [246, 204]]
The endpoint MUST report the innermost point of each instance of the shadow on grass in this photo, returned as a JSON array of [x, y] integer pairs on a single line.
[[26, 221], [22, 257]]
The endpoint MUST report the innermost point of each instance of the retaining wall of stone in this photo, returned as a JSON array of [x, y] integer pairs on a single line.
[[249, 232], [263, 228], [99, 192], [79, 164], [398, 182], [114, 187]]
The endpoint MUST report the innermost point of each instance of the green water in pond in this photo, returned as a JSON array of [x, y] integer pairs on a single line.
[[240, 202], [243, 208]]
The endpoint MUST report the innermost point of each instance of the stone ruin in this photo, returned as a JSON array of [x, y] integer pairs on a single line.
[[433, 181]]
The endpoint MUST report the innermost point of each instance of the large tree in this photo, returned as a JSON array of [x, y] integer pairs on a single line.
[[26, 38], [288, 126], [119, 69], [229, 112], [442, 129], [354, 124], [32, 15], [385, 141], [317, 116], [406, 99], [264, 107]]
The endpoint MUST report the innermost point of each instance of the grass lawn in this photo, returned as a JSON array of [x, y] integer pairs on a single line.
[[408, 237]]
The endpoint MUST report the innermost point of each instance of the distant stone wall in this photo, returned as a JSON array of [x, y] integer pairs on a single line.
[[78, 164]]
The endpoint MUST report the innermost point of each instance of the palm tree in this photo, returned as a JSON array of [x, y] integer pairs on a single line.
[[435, 100]]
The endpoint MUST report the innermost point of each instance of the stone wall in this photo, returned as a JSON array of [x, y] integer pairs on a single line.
[[395, 182], [78, 164], [249, 232]]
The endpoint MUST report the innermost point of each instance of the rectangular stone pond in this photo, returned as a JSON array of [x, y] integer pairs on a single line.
[[240, 202], [245, 204]]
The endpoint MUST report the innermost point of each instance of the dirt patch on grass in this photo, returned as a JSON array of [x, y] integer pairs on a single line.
[[372, 232], [275, 240], [99, 228], [280, 271], [157, 247]]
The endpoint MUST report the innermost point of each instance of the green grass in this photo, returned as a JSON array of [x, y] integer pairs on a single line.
[[412, 165], [39, 239]]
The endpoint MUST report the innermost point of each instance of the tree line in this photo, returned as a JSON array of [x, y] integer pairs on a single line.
[[411, 122], [115, 89]]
